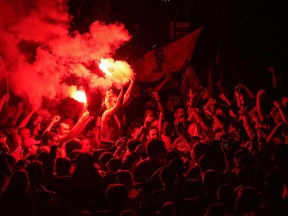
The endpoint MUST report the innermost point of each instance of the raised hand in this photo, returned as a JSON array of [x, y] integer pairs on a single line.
[[56, 119], [156, 95], [148, 120], [260, 93]]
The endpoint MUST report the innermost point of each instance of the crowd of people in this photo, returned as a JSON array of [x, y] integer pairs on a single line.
[[166, 154]]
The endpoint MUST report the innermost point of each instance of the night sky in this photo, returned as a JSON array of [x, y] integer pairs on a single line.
[[247, 31]]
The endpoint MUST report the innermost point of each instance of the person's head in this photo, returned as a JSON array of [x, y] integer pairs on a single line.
[[134, 128], [211, 180], [171, 101], [125, 177], [168, 176], [275, 185], [156, 150], [35, 172], [226, 195], [110, 99], [114, 164], [149, 111], [177, 165], [248, 200], [18, 182], [85, 143], [179, 113], [30, 145], [104, 158], [63, 166], [206, 162], [13, 141], [24, 132], [117, 196], [153, 133], [85, 165], [132, 144], [216, 209], [198, 150], [72, 145], [64, 126], [50, 138]]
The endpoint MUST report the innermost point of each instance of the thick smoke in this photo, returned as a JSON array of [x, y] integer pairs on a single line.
[[43, 58]]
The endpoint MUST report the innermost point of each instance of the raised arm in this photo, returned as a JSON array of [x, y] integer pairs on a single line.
[[156, 96], [223, 97], [273, 132], [4, 100], [194, 114], [247, 90], [127, 94], [80, 125], [54, 120], [117, 105], [259, 97], [20, 110], [283, 113]]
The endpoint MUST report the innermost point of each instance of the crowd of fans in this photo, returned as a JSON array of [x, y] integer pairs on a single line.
[[165, 154]]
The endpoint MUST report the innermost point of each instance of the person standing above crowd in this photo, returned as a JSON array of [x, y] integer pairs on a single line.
[[111, 121]]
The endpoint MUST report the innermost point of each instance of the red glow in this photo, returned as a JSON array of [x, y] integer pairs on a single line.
[[78, 95], [41, 53], [118, 71], [106, 65]]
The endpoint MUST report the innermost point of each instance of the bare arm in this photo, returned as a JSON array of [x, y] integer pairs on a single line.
[[54, 120], [282, 111], [4, 100], [248, 91], [128, 91], [118, 103], [259, 97], [157, 99], [79, 126], [199, 120], [228, 102], [27, 118], [97, 131], [273, 132], [250, 130]]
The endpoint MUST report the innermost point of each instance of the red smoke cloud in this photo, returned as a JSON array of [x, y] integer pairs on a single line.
[[40, 54]]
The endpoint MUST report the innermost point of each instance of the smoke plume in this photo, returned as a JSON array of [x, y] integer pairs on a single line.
[[41, 56]]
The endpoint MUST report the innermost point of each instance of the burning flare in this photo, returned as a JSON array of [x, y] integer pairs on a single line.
[[78, 95], [118, 71], [106, 65]]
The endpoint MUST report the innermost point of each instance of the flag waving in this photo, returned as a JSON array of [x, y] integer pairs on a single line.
[[161, 61]]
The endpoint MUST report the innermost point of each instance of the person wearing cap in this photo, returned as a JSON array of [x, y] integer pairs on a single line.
[[30, 146]]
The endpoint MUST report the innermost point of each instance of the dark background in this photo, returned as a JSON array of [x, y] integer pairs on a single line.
[[251, 35]]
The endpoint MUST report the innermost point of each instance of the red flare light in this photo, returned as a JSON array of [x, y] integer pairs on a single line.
[[118, 71], [78, 95], [107, 66]]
